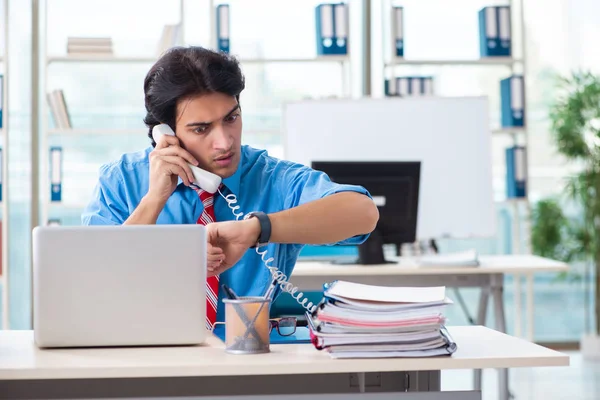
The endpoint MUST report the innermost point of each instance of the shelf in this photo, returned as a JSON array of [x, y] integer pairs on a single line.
[[67, 206], [80, 131], [514, 201], [111, 58], [501, 61], [318, 59], [270, 131], [95, 131], [509, 131]]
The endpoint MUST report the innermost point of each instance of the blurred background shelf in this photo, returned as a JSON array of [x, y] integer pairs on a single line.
[[99, 59], [320, 59], [493, 61], [92, 131]]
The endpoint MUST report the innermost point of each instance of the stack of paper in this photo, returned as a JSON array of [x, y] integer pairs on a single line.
[[102, 46], [365, 321], [468, 258]]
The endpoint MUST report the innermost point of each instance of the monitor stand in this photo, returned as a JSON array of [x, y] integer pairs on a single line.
[[369, 253]]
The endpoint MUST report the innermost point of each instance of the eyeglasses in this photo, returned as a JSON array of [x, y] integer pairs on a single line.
[[285, 326]]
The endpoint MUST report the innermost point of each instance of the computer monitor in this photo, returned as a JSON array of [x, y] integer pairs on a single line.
[[394, 187]]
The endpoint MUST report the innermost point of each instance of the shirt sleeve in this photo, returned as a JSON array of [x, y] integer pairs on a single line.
[[108, 205], [303, 184]]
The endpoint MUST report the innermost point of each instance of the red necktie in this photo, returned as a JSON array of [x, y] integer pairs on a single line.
[[212, 283]]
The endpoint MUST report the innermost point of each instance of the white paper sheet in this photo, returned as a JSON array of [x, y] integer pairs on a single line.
[[359, 291]]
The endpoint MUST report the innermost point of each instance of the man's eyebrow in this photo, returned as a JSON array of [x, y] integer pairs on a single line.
[[191, 124]]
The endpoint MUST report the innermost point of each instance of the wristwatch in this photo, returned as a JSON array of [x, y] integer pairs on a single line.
[[265, 227]]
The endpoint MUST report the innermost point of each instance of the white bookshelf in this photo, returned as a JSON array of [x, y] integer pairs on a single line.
[[496, 61], [92, 131], [509, 131], [513, 65], [125, 59], [132, 131], [4, 133], [109, 58], [319, 59]]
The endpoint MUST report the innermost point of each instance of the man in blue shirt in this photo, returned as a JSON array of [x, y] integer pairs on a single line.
[[196, 92]]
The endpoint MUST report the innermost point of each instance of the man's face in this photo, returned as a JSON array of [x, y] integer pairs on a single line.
[[210, 128]]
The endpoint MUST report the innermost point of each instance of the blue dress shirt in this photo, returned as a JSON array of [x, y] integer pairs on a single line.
[[261, 183]]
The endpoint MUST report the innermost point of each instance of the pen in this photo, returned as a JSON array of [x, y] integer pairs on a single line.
[[270, 289], [229, 292]]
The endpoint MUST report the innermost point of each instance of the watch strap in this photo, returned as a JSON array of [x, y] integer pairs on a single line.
[[265, 227]]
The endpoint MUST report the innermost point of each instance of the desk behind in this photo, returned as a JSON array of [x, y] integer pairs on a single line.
[[491, 264]]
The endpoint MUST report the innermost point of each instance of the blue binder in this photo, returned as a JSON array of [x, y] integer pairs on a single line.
[[389, 88], [55, 173], [495, 31], [504, 30], [332, 29], [421, 86], [516, 172], [409, 86], [398, 30], [397, 87], [223, 28], [426, 85], [512, 101]]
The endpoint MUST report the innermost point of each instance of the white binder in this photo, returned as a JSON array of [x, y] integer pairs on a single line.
[[341, 25], [56, 174], [504, 28], [398, 31], [223, 27]]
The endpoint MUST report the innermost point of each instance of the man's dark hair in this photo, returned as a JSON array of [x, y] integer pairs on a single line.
[[187, 71]]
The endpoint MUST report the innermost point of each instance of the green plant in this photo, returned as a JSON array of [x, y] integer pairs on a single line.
[[552, 232], [575, 128]]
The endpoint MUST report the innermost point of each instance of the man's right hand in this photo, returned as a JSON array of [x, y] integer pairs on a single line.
[[168, 161]]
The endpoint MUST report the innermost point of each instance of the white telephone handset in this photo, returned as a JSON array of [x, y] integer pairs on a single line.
[[211, 182], [203, 179]]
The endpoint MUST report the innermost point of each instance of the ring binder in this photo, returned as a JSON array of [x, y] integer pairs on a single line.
[[512, 101], [332, 29], [495, 31], [398, 30], [56, 174], [223, 28]]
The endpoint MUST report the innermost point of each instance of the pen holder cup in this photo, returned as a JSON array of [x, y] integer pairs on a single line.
[[247, 325]]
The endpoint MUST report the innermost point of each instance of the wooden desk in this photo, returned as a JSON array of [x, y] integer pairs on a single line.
[[29, 372], [489, 276]]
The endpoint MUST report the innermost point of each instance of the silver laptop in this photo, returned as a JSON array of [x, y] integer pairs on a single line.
[[119, 285]]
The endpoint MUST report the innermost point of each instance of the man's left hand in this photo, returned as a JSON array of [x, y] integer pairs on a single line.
[[233, 239]]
